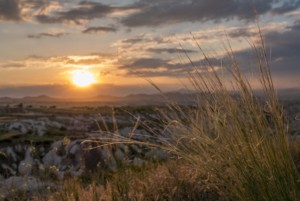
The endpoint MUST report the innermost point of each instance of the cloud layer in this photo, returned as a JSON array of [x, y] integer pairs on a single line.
[[160, 12], [144, 12], [83, 12]]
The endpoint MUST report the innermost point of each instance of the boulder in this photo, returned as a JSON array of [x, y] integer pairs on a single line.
[[52, 159], [26, 165], [108, 159], [99, 158]]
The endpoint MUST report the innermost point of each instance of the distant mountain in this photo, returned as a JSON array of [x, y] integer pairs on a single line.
[[160, 98], [181, 95], [5, 99], [41, 98], [105, 98], [289, 94], [178, 96]]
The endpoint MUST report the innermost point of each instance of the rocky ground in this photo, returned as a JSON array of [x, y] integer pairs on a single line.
[[41, 146], [38, 147]]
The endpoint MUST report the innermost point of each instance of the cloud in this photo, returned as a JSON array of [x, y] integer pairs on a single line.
[[162, 12], [9, 10], [282, 43], [154, 13], [42, 35], [285, 48], [100, 29], [13, 65], [142, 39], [241, 32], [155, 67], [20, 10], [142, 12], [83, 12], [94, 60], [286, 6], [89, 60], [295, 26], [170, 50], [148, 63]]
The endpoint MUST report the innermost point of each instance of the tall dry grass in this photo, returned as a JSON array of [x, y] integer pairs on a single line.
[[173, 181], [239, 141]]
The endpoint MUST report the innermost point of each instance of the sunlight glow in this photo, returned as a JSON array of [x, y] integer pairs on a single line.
[[83, 78]]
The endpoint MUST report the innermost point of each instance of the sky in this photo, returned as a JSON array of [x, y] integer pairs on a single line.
[[126, 43]]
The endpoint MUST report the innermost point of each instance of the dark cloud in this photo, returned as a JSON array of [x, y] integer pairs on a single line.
[[158, 12], [99, 30], [16, 10], [148, 67], [170, 50], [149, 13], [285, 47], [9, 10], [295, 26], [242, 32], [85, 11], [36, 4], [51, 35], [287, 6], [133, 40], [13, 65], [144, 39], [148, 63]]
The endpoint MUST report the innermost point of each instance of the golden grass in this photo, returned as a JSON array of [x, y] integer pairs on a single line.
[[240, 141]]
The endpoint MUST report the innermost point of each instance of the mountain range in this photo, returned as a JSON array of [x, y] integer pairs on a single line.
[[130, 99], [180, 96]]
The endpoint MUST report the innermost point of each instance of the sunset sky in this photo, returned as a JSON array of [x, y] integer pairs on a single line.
[[124, 43]]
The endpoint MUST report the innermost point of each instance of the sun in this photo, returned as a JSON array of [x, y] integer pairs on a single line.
[[83, 78]]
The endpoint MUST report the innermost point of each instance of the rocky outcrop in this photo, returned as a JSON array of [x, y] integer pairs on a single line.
[[33, 126], [63, 158], [23, 165]]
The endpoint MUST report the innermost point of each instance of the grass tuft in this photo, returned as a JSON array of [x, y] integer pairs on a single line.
[[238, 140]]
